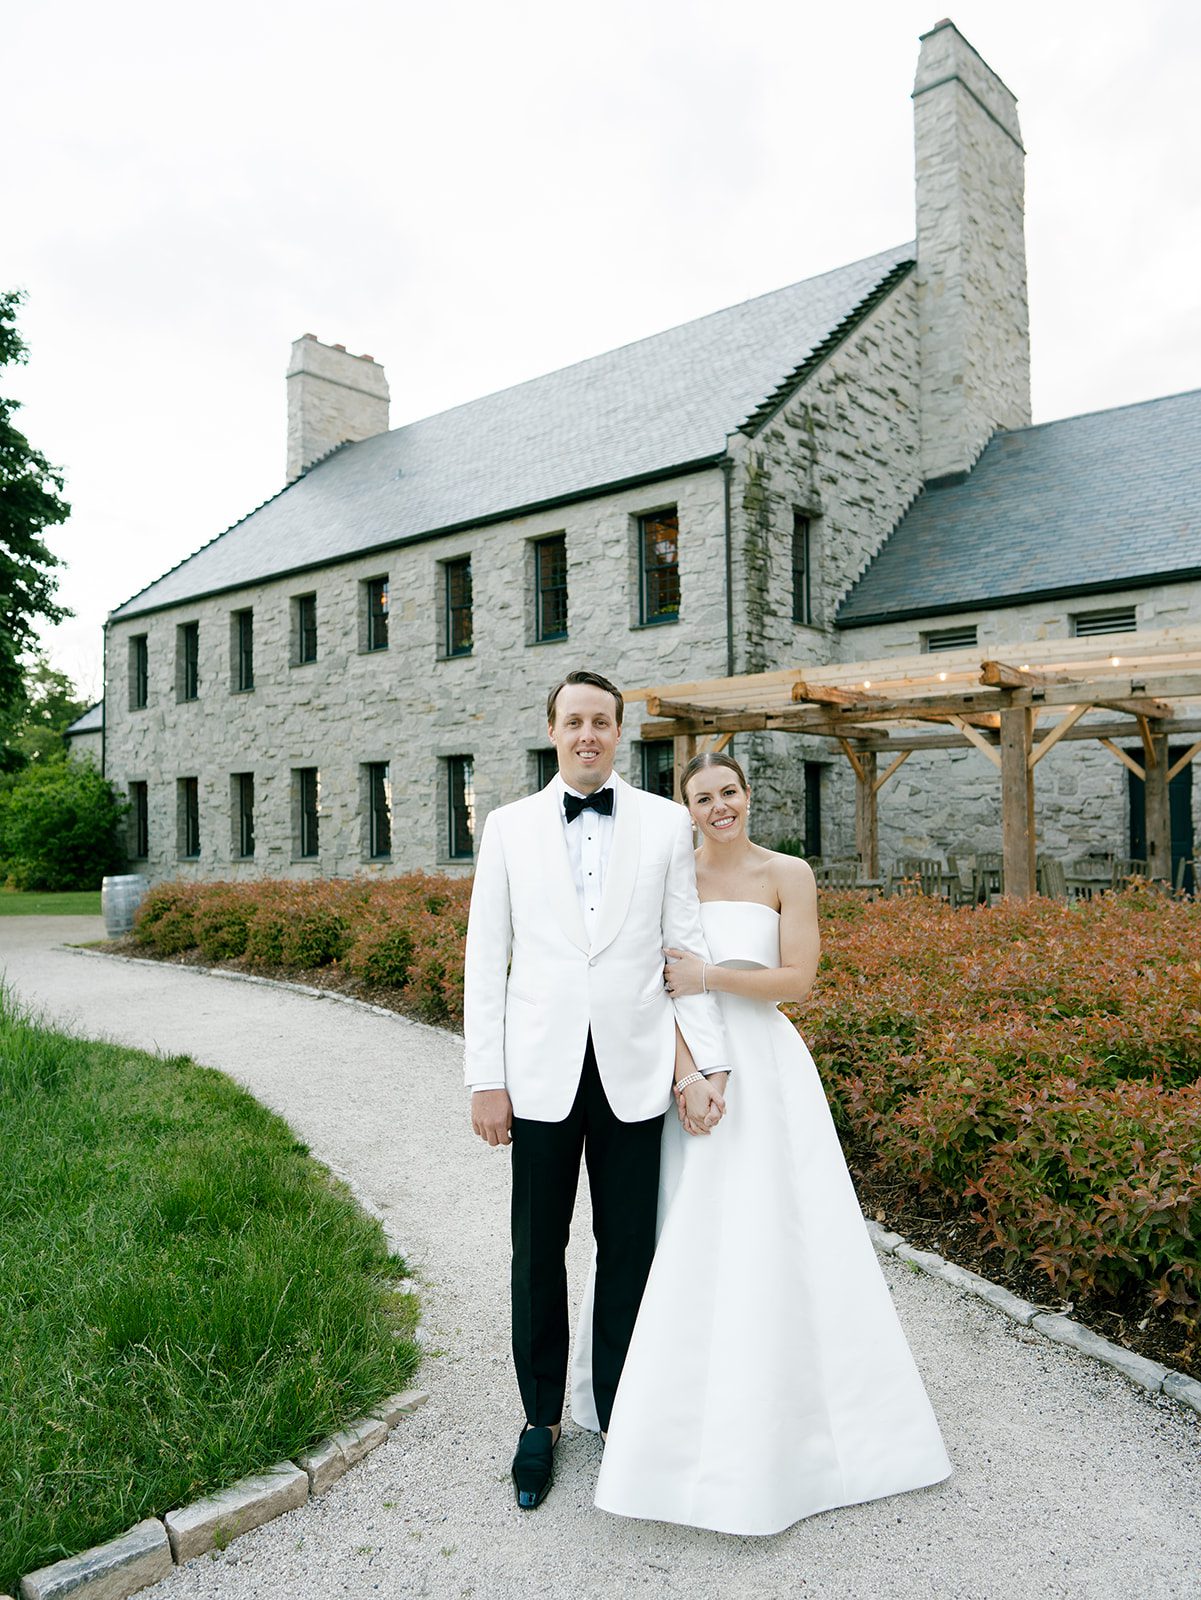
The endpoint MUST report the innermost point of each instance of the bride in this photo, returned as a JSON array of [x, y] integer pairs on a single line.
[[768, 1377]]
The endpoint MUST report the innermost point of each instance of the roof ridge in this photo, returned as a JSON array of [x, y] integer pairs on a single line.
[[646, 338], [1099, 411]]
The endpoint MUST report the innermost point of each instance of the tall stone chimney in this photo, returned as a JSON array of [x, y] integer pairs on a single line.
[[332, 397], [973, 317]]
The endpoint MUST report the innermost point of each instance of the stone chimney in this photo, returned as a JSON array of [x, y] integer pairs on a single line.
[[973, 317], [332, 397]]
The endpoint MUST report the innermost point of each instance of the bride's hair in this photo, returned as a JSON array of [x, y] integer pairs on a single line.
[[707, 759]]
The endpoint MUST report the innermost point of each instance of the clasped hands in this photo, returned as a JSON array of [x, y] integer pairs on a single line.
[[702, 1105]]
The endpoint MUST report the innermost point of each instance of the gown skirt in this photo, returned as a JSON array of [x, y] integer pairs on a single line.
[[768, 1377]]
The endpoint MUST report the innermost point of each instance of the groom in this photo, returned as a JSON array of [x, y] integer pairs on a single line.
[[570, 1040]]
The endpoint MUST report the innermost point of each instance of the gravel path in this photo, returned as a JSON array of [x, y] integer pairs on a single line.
[[1068, 1481]]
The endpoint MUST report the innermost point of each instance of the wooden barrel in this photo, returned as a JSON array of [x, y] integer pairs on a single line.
[[120, 897]]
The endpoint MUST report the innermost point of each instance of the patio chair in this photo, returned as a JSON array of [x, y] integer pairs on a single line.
[[1125, 868], [1052, 879]]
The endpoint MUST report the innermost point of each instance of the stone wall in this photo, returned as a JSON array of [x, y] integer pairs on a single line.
[[407, 705]]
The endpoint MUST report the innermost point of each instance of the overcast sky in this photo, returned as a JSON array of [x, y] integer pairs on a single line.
[[476, 193]]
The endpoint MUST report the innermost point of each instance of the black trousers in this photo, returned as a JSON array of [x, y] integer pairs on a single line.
[[623, 1179]]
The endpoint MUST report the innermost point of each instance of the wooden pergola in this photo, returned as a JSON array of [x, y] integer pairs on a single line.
[[1015, 707]]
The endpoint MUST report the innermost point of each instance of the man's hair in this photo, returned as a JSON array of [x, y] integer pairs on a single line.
[[597, 682]]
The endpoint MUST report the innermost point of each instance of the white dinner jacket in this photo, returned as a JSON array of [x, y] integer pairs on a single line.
[[535, 984]]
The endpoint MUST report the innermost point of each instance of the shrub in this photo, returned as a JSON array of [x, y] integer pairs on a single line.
[[60, 826]]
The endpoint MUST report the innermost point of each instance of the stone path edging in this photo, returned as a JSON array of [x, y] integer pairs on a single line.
[[146, 1554], [1148, 1375]]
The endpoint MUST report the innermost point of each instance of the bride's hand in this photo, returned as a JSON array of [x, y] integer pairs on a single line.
[[683, 973], [702, 1108]]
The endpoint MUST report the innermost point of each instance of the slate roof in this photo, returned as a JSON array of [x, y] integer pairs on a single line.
[[663, 403], [89, 721], [1088, 504]]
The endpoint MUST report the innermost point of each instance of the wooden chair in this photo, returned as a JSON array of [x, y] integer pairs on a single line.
[[1052, 879], [916, 875], [839, 874], [1127, 867], [1183, 867], [988, 876]]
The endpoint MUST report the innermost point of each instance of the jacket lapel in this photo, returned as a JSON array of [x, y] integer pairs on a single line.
[[551, 846], [622, 868]]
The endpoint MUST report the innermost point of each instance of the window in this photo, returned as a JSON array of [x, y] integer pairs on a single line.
[[659, 767], [802, 608], [139, 821], [950, 638], [304, 625], [1122, 619], [658, 555], [139, 672], [375, 596], [460, 791], [187, 661], [307, 791], [379, 810], [242, 785], [458, 606], [188, 818], [813, 808], [550, 588], [546, 766], [241, 645]]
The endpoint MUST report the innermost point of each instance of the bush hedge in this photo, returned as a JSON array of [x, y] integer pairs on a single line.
[[1040, 1062]]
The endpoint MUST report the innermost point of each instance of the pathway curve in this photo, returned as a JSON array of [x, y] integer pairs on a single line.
[[1069, 1483]]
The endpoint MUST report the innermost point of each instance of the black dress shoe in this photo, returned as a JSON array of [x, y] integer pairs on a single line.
[[534, 1466]]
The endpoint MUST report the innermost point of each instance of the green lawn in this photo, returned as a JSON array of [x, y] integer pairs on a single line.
[[187, 1295], [73, 903]]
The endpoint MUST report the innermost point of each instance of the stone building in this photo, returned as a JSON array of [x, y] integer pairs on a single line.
[[348, 679]]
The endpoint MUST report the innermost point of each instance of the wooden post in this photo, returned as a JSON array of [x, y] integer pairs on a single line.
[[867, 816], [1159, 816], [1017, 801], [684, 748]]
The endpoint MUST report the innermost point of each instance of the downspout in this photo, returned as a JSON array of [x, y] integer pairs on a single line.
[[727, 472], [104, 704]]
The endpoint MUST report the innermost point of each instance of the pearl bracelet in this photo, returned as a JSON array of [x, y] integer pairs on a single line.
[[693, 1077], [704, 985]]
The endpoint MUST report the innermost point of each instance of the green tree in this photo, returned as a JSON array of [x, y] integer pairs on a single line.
[[60, 826], [30, 502], [33, 728]]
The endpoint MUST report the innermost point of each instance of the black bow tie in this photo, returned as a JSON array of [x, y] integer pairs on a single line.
[[601, 801]]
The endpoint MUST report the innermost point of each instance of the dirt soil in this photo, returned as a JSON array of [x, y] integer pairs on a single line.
[[927, 1222]]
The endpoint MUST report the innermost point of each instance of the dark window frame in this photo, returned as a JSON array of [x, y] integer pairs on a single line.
[[187, 666], [189, 838], [379, 811], [460, 808], [243, 650], [375, 599], [139, 672], [244, 816], [546, 766], [659, 579], [458, 637], [306, 642], [658, 767], [802, 570], [308, 813], [550, 619], [139, 812], [813, 807]]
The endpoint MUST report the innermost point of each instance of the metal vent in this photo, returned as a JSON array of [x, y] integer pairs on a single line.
[[950, 639], [1085, 624]]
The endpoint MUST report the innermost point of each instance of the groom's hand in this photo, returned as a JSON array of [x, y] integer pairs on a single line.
[[492, 1115], [703, 1106]]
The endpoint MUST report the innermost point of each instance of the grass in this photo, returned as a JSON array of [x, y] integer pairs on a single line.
[[188, 1296], [71, 903]]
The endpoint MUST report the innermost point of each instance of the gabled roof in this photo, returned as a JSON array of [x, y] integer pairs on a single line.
[[89, 721], [662, 404], [1111, 500]]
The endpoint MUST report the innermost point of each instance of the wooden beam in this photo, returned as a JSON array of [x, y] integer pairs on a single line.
[[1150, 754], [684, 709], [1182, 761], [1017, 802], [1055, 734], [853, 759], [903, 739], [977, 739], [867, 813], [1158, 810], [683, 752], [1122, 757], [898, 762], [831, 695], [1000, 675]]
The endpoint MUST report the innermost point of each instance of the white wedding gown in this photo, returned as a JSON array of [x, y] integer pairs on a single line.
[[768, 1377]]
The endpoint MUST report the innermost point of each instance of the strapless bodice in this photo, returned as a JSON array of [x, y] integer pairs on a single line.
[[741, 933]]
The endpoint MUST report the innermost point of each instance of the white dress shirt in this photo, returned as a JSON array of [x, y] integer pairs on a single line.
[[589, 841]]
